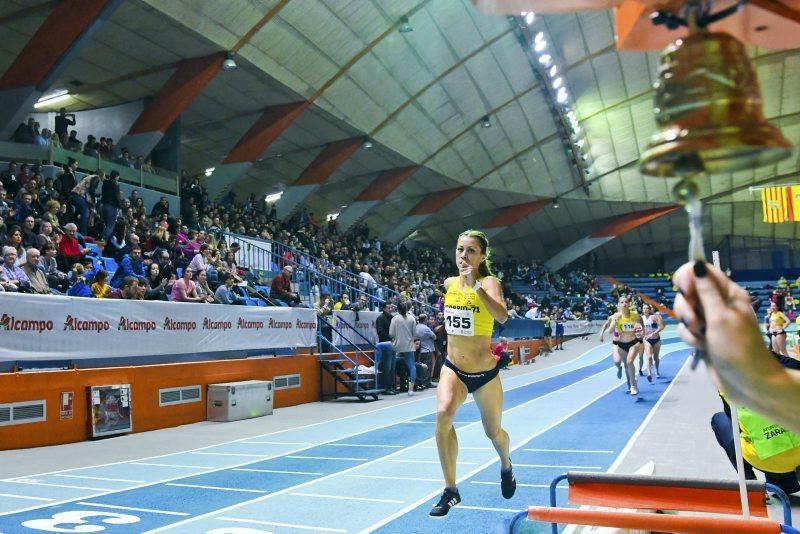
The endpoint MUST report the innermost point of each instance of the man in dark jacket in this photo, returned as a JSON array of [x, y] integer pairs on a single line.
[[385, 357]]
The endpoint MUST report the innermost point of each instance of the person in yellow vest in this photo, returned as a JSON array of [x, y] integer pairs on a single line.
[[783, 283], [626, 345], [766, 446], [473, 302]]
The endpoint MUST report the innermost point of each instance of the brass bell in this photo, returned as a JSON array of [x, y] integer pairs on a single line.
[[708, 111]]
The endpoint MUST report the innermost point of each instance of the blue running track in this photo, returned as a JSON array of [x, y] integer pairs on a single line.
[[377, 471]]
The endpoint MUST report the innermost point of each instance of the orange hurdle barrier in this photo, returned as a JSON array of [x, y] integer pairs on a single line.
[[661, 493]]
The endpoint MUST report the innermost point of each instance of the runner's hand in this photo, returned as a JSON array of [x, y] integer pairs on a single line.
[[466, 272]]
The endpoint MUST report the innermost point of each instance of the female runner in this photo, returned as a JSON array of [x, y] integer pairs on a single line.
[[653, 325], [473, 301], [776, 323], [626, 347]]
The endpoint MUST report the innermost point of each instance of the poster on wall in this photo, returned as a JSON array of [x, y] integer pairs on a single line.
[[67, 399], [110, 409]]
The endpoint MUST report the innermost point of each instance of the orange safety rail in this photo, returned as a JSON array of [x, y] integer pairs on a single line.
[[667, 497], [679, 524]]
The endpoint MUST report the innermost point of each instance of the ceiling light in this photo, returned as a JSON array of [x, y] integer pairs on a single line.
[[332, 216], [485, 122], [545, 59], [540, 46], [562, 95], [539, 38], [529, 18], [210, 170], [558, 82], [553, 70], [56, 96], [367, 144], [273, 197], [229, 63], [405, 26], [555, 203]]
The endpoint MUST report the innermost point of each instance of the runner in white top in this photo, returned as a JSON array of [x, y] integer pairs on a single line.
[[653, 325]]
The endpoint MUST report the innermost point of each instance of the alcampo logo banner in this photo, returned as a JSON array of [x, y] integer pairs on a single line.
[[46, 327]]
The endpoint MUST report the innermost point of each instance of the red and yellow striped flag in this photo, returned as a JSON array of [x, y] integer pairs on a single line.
[[793, 197], [774, 205]]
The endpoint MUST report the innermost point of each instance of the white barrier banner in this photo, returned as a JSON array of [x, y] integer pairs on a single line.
[[44, 327], [582, 328], [364, 325]]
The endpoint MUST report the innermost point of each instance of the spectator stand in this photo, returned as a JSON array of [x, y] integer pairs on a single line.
[[660, 494], [164, 181], [343, 367], [263, 258], [647, 289]]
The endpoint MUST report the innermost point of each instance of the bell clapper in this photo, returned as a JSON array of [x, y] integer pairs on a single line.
[[687, 192]]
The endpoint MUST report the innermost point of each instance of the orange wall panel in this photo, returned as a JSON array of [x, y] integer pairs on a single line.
[[145, 382]]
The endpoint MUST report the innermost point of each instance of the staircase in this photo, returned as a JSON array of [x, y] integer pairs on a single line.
[[348, 381]]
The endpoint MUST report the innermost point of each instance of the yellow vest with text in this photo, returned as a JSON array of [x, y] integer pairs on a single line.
[[468, 299]]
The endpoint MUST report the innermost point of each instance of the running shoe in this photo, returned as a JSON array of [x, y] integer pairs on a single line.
[[449, 499], [508, 484], [634, 391], [650, 378], [619, 371], [658, 375], [641, 373]]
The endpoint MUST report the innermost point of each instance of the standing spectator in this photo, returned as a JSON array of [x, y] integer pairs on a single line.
[[67, 181], [427, 341], [10, 181], [63, 121], [82, 197], [402, 330], [109, 198], [161, 208], [384, 352]]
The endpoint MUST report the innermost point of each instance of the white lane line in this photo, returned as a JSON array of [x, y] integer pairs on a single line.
[[485, 509], [560, 466], [328, 458], [277, 471], [276, 524], [230, 454], [434, 422], [131, 508], [478, 469], [523, 381], [37, 483], [415, 479], [371, 462], [569, 450], [359, 445], [172, 465], [343, 498], [304, 443], [428, 462], [103, 478], [14, 496], [520, 485], [219, 488], [463, 448]]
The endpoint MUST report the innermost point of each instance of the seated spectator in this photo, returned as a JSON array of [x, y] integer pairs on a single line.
[[199, 261], [45, 236], [131, 265], [14, 240], [224, 293], [23, 208], [36, 276], [12, 277], [202, 289], [79, 286], [281, 287], [343, 303], [100, 287], [47, 263], [156, 284], [161, 208], [69, 247], [183, 290], [129, 289]]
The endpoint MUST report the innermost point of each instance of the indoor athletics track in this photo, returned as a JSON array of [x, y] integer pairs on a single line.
[[377, 471]]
